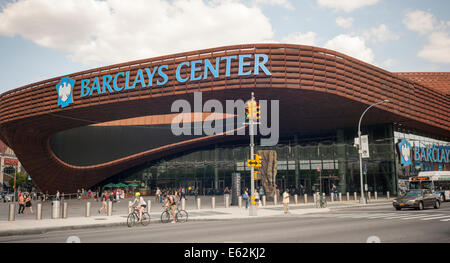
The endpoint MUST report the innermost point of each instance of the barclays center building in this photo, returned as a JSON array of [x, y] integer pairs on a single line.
[[116, 123]]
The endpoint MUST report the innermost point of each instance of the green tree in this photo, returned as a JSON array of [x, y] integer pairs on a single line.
[[21, 179]]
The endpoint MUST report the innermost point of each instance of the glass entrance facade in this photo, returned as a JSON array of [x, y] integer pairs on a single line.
[[305, 164]]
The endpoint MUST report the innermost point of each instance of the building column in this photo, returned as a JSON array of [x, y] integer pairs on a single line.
[[297, 172], [216, 170], [342, 160], [2, 166], [394, 175]]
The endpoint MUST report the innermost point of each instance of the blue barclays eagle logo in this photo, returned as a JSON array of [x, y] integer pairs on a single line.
[[64, 89], [405, 152]]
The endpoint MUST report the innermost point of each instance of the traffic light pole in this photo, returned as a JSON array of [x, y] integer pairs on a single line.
[[252, 208]]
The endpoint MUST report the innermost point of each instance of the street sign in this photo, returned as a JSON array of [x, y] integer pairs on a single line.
[[365, 146]]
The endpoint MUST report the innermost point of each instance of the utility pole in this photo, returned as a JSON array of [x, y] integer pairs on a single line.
[[254, 160]]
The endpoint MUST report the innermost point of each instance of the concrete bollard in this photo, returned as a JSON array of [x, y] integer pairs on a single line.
[[332, 197], [64, 210], [388, 195], [348, 196], [369, 195], [199, 203], [12, 212], [296, 199], [240, 201], [39, 211], [88, 209], [56, 209], [130, 209], [227, 201], [340, 197], [305, 197], [149, 206], [110, 208], [275, 201], [376, 195], [183, 204], [213, 202], [355, 194], [315, 198], [264, 200], [324, 196]]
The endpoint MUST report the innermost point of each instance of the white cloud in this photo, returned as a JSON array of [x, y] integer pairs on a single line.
[[438, 48], [283, 3], [353, 46], [419, 21], [98, 32], [309, 39], [380, 34], [344, 22], [346, 5], [389, 63]]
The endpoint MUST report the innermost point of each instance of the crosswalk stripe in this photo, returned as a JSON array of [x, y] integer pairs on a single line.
[[437, 217], [420, 217], [445, 220]]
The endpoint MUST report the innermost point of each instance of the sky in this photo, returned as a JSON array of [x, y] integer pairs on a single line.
[[41, 39]]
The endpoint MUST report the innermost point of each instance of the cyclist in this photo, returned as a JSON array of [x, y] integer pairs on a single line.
[[171, 203], [141, 205]]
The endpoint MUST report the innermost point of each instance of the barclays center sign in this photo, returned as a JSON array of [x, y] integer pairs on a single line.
[[198, 69], [432, 154]]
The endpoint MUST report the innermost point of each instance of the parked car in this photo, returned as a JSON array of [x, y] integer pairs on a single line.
[[418, 199]]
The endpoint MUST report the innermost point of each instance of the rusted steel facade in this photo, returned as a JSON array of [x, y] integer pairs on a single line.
[[318, 89]]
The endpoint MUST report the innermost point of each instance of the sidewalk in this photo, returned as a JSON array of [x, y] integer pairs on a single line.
[[32, 226]]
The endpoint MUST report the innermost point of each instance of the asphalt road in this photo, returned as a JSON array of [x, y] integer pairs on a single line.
[[341, 225]]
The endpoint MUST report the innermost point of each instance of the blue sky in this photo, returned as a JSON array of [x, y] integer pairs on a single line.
[[40, 39]]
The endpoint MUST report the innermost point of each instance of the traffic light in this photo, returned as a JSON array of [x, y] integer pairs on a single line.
[[252, 110], [256, 111], [256, 175], [258, 160], [247, 112]]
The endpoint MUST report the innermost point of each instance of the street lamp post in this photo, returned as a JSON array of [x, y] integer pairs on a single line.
[[363, 199]]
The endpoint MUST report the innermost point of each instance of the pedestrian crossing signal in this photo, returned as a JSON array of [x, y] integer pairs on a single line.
[[257, 175]]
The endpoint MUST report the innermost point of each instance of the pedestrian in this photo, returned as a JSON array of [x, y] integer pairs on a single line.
[[245, 197], [21, 203], [226, 193], [196, 193], [257, 198], [28, 204], [104, 198], [57, 195], [158, 195], [286, 197], [261, 193], [334, 190]]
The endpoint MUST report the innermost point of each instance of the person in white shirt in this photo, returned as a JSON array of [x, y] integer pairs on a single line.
[[141, 205]]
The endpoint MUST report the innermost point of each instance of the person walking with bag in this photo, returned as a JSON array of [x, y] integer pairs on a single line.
[[245, 196]]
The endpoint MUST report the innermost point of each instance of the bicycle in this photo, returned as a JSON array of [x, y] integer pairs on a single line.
[[133, 217], [180, 216], [320, 202]]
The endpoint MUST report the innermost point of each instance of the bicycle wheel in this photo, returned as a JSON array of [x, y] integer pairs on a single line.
[[131, 220], [165, 217], [145, 218], [181, 216]]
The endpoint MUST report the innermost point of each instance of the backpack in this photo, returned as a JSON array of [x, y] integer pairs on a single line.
[[244, 196]]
